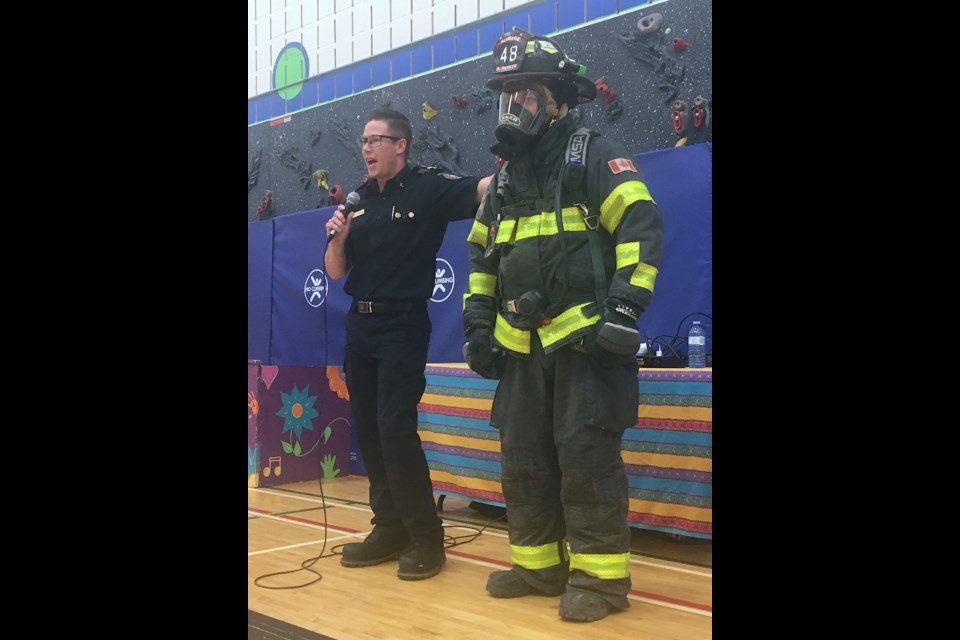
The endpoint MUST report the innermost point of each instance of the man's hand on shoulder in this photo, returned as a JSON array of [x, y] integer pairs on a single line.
[[482, 187]]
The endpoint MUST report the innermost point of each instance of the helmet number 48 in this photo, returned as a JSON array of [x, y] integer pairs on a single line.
[[512, 56]]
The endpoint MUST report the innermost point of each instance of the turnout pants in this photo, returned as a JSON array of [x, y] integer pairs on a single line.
[[561, 417]]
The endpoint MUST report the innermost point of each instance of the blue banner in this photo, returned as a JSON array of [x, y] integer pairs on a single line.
[[305, 323], [681, 183], [259, 274], [307, 310], [446, 303]]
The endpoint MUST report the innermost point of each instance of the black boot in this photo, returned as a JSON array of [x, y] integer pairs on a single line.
[[423, 560], [583, 605], [510, 584], [381, 545]]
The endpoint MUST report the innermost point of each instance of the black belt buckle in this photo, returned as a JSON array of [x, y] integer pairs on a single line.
[[364, 306]]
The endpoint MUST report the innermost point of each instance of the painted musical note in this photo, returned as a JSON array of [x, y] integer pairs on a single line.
[[266, 470]]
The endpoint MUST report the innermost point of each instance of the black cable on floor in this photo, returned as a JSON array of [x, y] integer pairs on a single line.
[[304, 566], [449, 541]]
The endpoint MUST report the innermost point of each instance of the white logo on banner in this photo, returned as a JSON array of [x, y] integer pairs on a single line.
[[444, 281], [315, 288]]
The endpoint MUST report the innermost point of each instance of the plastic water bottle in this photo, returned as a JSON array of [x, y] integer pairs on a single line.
[[696, 346]]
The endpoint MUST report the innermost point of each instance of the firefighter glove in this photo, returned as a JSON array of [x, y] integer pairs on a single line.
[[617, 332], [483, 357]]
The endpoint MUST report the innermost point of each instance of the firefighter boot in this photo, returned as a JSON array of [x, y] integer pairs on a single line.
[[381, 545], [583, 605], [510, 584]]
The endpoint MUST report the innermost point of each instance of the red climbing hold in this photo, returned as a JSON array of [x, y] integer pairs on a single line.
[[336, 194], [680, 117], [677, 121], [679, 44], [266, 205], [609, 93]]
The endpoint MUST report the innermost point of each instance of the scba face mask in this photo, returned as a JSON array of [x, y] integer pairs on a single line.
[[522, 116]]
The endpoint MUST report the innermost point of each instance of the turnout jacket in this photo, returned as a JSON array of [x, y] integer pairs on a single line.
[[522, 257]]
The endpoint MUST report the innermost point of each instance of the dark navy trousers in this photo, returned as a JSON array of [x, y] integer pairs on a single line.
[[384, 362]]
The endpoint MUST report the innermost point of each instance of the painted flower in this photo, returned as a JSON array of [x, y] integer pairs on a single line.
[[297, 410]]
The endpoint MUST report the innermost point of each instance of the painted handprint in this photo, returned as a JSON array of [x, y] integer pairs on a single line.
[[327, 465], [252, 404]]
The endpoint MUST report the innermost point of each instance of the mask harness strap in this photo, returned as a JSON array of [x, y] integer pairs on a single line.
[[500, 194]]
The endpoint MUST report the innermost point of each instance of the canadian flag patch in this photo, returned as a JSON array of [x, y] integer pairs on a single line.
[[622, 164]]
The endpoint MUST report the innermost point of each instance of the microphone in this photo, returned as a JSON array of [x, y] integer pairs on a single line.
[[353, 199]]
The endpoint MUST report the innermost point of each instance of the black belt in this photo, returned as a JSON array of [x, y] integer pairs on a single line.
[[364, 306]]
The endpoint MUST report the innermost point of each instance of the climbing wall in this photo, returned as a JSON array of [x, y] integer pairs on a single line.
[[650, 65]]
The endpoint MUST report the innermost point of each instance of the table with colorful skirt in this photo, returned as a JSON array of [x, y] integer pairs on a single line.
[[668, 454]]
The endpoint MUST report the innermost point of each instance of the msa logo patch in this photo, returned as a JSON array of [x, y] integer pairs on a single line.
[[315, 288], [443, 282], [576, 148], [622, 164]]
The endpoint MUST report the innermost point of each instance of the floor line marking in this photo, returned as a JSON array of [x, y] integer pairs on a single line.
[[294, 546], [662, 601], [477, 560], [670, 605], [303, 522], [493, 533], [670, 568]]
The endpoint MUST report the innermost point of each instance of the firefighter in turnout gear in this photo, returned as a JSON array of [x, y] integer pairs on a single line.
[[564, 254]]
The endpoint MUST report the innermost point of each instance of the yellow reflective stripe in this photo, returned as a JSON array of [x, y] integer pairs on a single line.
[[514, 339], [617, 202], [628, 253], [505, 230], [572, 221], [483, 283], [645, 275], [605, 566], [465, 296], [565, 324], [478, 234], [545, 224], [546, 555], [528, 227]]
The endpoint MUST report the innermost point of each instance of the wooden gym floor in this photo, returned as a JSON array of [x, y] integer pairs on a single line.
[[671, 597]]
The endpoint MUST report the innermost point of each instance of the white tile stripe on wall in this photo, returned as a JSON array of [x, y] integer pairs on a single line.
[[336, 33]]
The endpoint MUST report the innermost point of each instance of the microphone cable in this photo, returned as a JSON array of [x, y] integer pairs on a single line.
[[307, 564], [450, 541]]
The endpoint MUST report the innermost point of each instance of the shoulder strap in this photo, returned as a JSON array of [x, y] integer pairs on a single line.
[[573, 174]]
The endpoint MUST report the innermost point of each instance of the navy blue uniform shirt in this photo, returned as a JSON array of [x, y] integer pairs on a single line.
[[395, 235]]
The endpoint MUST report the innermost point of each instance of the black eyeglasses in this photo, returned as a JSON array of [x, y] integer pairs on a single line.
[[375, 140]]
